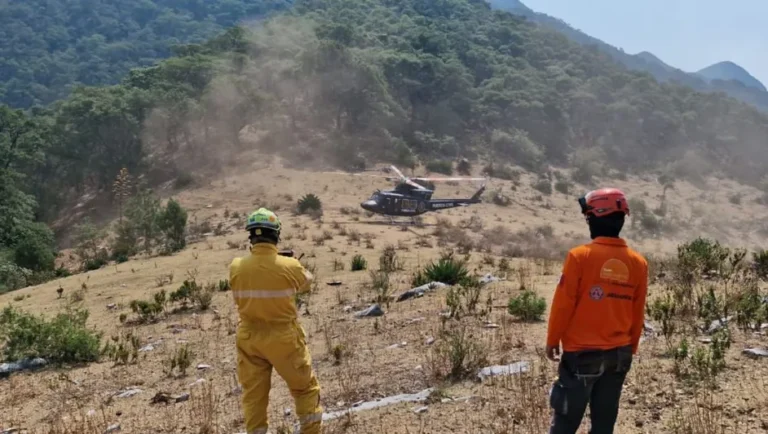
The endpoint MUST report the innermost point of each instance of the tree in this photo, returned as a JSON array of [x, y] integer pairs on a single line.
[[173, 222], [34, 247], [121, 189], [142, 211], [21, 150]]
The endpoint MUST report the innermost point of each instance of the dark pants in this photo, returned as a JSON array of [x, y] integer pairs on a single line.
[[592, 377]]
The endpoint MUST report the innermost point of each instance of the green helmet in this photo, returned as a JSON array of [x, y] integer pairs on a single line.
[[263, 219]]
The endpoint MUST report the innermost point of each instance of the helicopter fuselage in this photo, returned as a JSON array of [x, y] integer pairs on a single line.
[[412, 202]]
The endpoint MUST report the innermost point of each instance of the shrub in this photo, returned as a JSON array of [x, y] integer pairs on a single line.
[[587, 163], [760, 263], [502, 172], [663, 311], [464, 167], [419, 278], [358, 263], [498, 198], [62, 339], [527, 306], [147, 311], [183, 180], [440, 166], [87, 238], [190, 292], [702, 363], [203, 297], [458, 355], [310, 203], [447, 269], [12, 276], [388, 261], [173, 223], [544, 186], [224, 285], [380, 284], [650, 223], [518, 146], [563, 186], [123, 349], [701, 256], [34, 247], [180, 360], [751, 311]]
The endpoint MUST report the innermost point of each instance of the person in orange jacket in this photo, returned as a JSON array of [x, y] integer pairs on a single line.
[[597, 317]]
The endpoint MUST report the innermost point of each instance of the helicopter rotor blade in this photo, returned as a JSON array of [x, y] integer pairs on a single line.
[[448, 179], [413, 184], [398, 172]]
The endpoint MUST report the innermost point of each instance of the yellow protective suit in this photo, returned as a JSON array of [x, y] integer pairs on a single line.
[[269, 335]]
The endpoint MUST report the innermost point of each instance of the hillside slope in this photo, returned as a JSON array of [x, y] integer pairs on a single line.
[[49, 46], [361, 359], [714, 79], [348, 83]]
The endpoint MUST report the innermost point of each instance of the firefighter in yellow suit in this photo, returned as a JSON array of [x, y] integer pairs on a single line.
[[269, 334]]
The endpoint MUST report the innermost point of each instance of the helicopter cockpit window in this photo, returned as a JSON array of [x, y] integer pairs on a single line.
[[375, 197]]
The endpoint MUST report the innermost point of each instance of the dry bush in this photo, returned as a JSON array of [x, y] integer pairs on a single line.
[[538, 242], [520, 403], [702, 416], [457, 355], [78, 422], [448, 233], [203, 409]]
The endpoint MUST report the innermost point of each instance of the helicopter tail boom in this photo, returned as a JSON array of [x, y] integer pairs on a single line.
[[476, 197]]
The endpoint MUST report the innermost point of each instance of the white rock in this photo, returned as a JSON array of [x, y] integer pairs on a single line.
[[406, 397], [128, 393], [511, 369]]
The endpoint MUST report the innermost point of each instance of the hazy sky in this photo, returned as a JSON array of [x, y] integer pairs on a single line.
[[687, 34]]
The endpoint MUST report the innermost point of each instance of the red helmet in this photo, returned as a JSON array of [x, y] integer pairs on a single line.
[[604, 201]]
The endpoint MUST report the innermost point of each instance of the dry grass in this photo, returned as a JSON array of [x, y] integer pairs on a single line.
[[364, 359]]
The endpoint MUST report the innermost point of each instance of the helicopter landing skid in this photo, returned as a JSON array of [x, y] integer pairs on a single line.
[[397, 220]]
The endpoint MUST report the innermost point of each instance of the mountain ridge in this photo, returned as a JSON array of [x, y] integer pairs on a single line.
[[726, 76], [727, 70]]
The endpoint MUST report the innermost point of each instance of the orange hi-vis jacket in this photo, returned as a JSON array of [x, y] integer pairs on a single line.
[[264, 285], [600, 300]]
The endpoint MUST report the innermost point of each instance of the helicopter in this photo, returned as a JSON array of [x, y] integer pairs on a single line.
[[411, 199]]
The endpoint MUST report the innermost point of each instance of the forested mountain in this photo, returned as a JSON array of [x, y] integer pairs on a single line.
[[47, 46], [353, 81], [727, 71], [716, 78]]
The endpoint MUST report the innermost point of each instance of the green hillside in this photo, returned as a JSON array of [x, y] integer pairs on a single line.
[[349, 82], [48, 46]]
